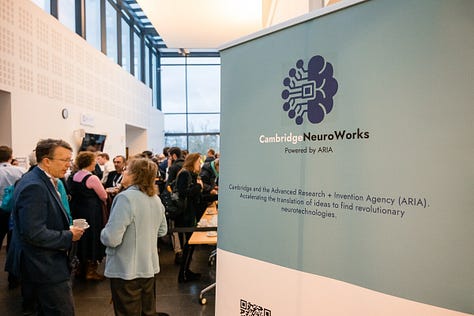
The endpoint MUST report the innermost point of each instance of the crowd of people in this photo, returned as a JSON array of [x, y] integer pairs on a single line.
[[61, 227]]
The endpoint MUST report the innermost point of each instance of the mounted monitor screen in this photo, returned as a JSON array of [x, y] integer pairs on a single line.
[[93, 140]]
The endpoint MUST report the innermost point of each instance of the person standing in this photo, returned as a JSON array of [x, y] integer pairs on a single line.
[[136, 221], [114, 178], [210, 178], [163, 164], [190, 195], [103, 160], [88, 198], [42, 236], [9, 174], [175, 163], [210, 155]]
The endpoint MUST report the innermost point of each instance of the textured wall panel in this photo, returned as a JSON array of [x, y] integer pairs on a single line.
[[42, 84], [42, 32], [25, 21], [7, 73], [6, 42], [26, 79], [7, 11], [42, 57], [25, 50]]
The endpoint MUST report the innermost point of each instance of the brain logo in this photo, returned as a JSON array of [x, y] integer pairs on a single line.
[[309, 91]]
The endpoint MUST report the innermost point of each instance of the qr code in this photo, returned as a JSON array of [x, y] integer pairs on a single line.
[[249, 309]]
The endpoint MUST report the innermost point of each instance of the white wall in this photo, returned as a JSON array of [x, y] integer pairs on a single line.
[[46, 68], [5, 114], [134, 140]]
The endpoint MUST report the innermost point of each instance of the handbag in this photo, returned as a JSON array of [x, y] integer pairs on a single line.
[[174, 206]]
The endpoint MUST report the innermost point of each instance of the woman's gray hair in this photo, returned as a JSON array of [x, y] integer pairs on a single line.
[[32, 158]]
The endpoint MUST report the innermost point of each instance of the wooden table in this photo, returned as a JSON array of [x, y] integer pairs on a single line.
[[202, 238]]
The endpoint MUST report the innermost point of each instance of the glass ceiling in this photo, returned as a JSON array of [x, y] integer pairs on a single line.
[[140, 18]]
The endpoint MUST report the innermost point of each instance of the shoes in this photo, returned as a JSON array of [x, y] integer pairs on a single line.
[[91, 274], [191, 276], [178, 258], [94, 276], [188, 276]]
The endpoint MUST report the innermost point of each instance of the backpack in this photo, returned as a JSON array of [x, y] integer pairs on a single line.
[[7, 202], [174, 207], [170, 204]]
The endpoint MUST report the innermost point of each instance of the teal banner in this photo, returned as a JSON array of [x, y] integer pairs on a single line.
[[347, 149]]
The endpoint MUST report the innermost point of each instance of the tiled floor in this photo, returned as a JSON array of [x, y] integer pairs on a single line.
[[173, 298]]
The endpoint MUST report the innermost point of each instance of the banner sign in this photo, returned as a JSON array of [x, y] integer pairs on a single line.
[[347, 164]]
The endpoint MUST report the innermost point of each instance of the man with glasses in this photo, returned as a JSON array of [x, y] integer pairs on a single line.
[[42, 237]]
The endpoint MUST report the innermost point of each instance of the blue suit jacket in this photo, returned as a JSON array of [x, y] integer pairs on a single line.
[[41, 237]]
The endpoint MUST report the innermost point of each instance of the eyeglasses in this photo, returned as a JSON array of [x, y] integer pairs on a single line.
[[63, 160]]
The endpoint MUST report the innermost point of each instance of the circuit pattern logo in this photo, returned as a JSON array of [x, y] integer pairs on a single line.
[[309, 92]]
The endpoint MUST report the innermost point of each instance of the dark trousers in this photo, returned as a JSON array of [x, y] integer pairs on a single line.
[[48, 299], [133, 297], [4, 230], [188, 251], [4, 219]]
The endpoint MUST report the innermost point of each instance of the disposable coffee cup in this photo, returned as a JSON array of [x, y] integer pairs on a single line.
[[80, 223]]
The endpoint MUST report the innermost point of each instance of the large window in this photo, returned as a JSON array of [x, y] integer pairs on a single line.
[[111, 26], [43, 4], [147, 65], [154, 65], [204, 122], [203, 88], [190, 92], [137, 57], [93, 23], [201, 143], [175, 123], [125, 45], [173, 89], [67, 13]]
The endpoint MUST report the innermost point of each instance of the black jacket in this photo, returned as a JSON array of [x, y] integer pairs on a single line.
[[208, 177], [174, 169], [189, 192], [113, 176]]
